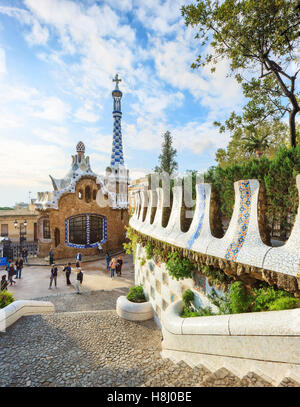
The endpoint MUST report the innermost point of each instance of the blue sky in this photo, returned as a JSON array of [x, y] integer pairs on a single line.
[[57, 61]]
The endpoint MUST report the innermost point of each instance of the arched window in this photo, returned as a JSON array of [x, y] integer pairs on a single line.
[[46, 229], [87, 194], [56, 237], [95, 194], [80, 194]]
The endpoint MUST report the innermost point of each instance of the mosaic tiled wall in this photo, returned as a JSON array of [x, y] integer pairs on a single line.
[[241, 243]]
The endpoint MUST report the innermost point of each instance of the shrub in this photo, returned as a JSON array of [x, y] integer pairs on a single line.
[[284, 303], [179, 267], [6, 298], [142, 261], [136, 294], [201, 312], [188, 298], [149, 251], [222, 302], [264, 297], [239, 300]]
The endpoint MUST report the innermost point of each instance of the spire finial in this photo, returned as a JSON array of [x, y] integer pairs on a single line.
[[117, 80]]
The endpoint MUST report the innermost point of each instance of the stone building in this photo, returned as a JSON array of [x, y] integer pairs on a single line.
[[86, 209], [19, 225]]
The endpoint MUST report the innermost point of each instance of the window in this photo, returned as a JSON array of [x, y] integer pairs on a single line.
[[56, 237], [95, 194], [4, 230], [80, 194], [96, 228], [77, 230], [46, 229], [86, 229], [87, 194]]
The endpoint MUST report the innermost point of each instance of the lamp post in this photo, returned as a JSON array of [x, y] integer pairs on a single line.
[[20, 227]]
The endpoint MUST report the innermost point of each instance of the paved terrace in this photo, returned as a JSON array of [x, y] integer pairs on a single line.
[[86, 344]]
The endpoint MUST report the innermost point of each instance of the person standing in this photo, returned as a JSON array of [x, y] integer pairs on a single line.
[[51, 257], [79, 279], [4, 283], [113, 265], [78, 256], [107, 259], [11, 273], [119, 266], [19, 266], [25, 255], [67, 269], [53, 276]]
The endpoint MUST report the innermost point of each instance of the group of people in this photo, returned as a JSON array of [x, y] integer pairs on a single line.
[[13, 269], [68, 270], [114, 265]]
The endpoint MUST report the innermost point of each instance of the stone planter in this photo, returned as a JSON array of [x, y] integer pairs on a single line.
[[134, 311]]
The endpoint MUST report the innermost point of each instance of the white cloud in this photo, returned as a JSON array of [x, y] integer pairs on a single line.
[[55, 135], [52, 108]]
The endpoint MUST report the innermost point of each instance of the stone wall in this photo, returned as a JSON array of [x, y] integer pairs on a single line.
[[69, 205]]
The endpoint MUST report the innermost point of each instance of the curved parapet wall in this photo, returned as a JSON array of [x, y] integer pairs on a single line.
[[17, 309], [287, 257], [241, 243], [267, 342]]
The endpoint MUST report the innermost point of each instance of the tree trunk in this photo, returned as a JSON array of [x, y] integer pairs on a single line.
[[292, 123], [259, 153]]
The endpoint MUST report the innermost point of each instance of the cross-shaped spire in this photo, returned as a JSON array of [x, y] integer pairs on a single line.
[[117, 80]]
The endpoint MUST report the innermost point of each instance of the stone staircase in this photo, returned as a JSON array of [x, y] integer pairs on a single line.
[[180, 374]]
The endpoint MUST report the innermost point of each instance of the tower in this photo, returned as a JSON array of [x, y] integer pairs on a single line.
[[117, 176], [117, 147]]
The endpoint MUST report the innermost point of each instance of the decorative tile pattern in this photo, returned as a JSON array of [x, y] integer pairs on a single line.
[[243, 221], [201, 208]]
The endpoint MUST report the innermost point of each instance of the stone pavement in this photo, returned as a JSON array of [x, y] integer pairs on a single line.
[[85, 343], [35, 280]]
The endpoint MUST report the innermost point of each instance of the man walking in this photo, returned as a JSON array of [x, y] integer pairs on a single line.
[[19, 266], [67, 269], [51, 257], [79, 279], [107, 259], [25, 255], [53, 276]]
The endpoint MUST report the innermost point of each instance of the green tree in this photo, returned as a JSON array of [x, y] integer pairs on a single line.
[[167, 161], [237, 151], [257, 143], [260, 39]]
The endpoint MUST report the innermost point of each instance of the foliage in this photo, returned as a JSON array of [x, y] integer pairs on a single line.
[[142, 261], [261, 40], [265, 297], [149, 250], [275, 132], [240, 301], [167, 161], [136, 294], [130, 247], [201, 312], [215, 276], [222, 302], [6, 298], [284, 303], [179, 267], [188, 298], [276, 175]]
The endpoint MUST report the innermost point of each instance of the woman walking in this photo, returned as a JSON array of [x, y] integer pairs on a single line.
[[113, 266]]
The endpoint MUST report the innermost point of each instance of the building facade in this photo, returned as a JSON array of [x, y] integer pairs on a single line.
[[85, 209], [19, 225]]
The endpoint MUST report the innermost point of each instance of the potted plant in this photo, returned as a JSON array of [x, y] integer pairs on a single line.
[[134, 306]]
